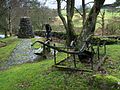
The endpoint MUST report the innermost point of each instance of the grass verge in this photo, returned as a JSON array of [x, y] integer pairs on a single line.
[[6, 51]]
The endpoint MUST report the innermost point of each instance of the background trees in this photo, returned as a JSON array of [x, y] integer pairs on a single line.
[[3, 17], [12, 10], [40, 14], [111, 25]]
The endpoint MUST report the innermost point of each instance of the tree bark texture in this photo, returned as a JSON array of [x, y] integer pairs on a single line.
[[68, 24], [90, 23], [84, 12]]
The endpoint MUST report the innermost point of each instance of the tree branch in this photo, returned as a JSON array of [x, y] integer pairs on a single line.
[[78, 12], [89, 3], [60, 14], [72, 7], [56, 48]]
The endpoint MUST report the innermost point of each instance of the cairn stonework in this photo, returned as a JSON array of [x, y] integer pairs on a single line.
[[25, 30]]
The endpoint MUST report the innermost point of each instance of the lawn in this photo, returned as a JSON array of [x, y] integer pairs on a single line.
[[7, 50], [41, 75], [113, 62]]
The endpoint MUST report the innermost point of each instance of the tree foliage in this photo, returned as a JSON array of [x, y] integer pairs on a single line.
[[12, 10]]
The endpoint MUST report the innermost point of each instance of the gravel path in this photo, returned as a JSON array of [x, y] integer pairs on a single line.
[[21, 54]]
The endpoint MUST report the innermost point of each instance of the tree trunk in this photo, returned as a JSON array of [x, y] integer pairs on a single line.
[[69, 23], [70, 26], [84, 12], [5, 33], [89, 26], [9, 21], [103, 22], [60, 14]]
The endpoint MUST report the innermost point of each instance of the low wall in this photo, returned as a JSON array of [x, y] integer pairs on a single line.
[[59, 35]]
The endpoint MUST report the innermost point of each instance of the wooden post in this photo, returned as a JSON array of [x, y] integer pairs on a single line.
[[43, 49], [74, 60], [91, 63], [104, 48], [48, 48], [67, 53], [54, 55], [98, 51]]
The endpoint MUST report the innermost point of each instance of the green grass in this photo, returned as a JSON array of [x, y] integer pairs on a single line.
[[37, 45], [113, 62], [7, 50], [114, 52], [41, 75]]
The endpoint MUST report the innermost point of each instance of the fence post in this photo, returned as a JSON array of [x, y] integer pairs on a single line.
[[67, 53], [98, 51], [54, 55], [74, 60], [43, 49], [105, 48]]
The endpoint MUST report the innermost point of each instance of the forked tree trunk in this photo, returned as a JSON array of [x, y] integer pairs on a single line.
[[68, 24], [89, 26]]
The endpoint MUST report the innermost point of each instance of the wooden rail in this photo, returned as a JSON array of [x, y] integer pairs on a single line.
[[56, 48], [73, 53]]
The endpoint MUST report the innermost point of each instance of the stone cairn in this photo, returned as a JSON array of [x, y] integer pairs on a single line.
[[25, 30]]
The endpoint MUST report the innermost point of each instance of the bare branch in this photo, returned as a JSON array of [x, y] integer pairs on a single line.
[[60, 14], [72, 7], [89, 3], [6, 8], [78, 11]]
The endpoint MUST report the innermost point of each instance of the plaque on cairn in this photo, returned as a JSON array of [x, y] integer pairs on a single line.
[[25, 30]]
